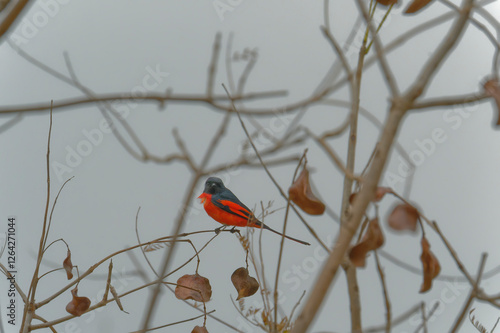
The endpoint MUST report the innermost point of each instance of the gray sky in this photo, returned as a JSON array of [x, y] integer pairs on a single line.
[[129, 46]]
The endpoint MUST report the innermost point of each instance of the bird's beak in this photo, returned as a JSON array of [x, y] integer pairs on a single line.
[[203, 197]]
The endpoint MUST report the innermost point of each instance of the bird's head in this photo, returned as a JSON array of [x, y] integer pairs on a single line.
[[213, 185]]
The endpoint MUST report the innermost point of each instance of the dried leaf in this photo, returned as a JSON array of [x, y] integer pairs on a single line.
[[372, 240], [301, 194], [78, 305], [416, 5], [492, 88], [195, 287], [430, 265], [244, 283], [404, 217], [387, 2], [199, 329], [68, 266]]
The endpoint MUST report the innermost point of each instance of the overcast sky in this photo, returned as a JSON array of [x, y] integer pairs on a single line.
[[133, 46]]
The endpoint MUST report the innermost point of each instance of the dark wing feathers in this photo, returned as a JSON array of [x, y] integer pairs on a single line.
[[228, 202]]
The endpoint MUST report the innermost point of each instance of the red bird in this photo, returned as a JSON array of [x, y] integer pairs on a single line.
[[224, 207]]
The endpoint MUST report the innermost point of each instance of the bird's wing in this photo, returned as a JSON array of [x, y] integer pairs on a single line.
[[228, 202]]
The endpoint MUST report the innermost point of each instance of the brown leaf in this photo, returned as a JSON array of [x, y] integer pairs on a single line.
[[78, 305], [372, 240], [244, 283], [430, 265], [387, 2], [416, 5], [195, 287], [199, 329], [492, 88], [68, 266], [301, 194], [404, 217]]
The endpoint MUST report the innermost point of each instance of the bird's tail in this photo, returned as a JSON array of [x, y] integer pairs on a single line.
[[279, 233]]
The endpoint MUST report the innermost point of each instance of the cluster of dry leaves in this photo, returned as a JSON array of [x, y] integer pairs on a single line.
[[78, 305], [198, 288], [403, 217]]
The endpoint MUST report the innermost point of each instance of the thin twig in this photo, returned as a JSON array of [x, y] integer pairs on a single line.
[[424, 317], [11, 122], [282, 245], [339, 52], [424, 325], [388, 313], [381, 54], [28, 310], [334, 157], [451, 250], [252, 59], [396, 321], [472, 295], [176, 323], [43, 320], [212, 69], [52, 212]]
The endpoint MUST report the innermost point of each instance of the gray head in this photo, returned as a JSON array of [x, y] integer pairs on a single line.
[[214, 185]]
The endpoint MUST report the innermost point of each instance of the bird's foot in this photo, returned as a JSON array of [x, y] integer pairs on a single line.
[[234, 230], [217, 230]]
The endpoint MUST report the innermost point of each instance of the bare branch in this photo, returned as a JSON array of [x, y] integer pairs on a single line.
[[472, 295], [12, 16]]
